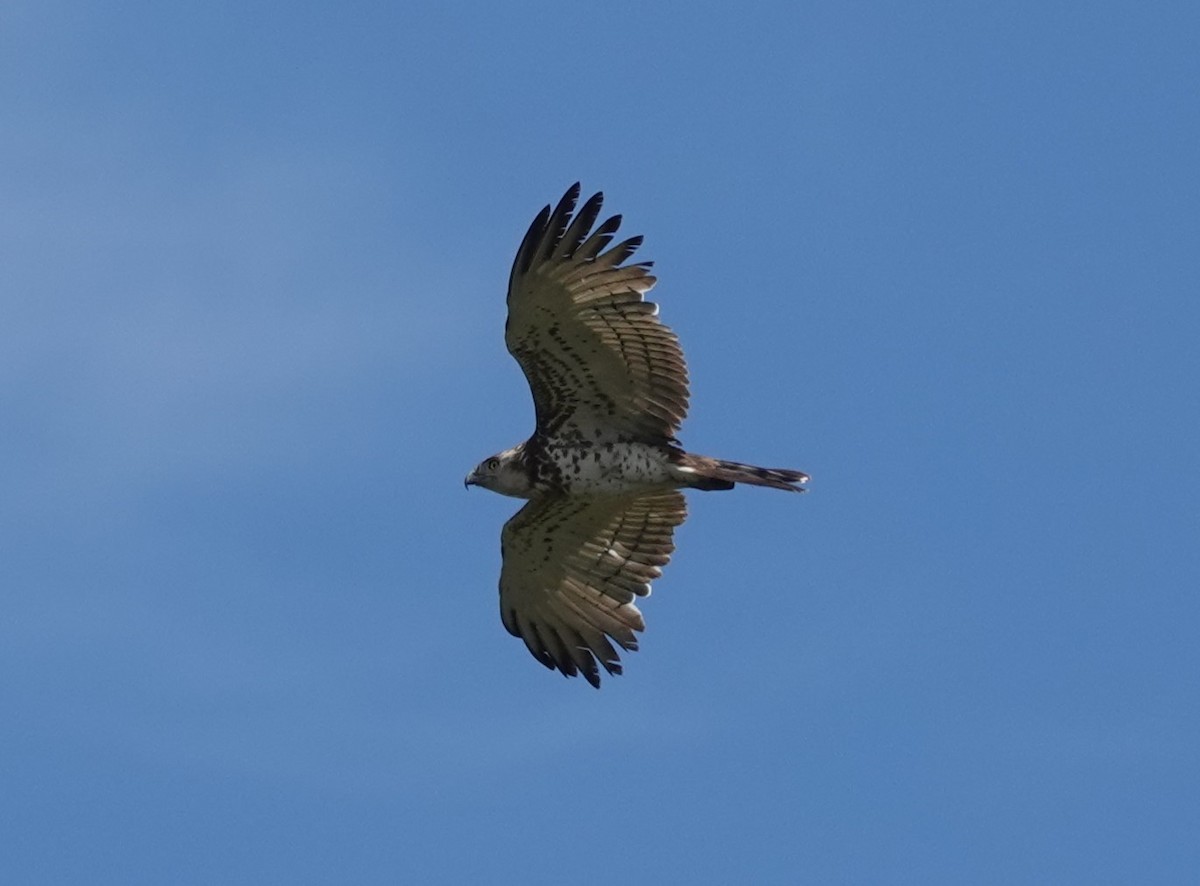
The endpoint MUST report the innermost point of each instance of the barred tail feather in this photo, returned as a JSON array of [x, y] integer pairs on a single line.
[[701, 472]]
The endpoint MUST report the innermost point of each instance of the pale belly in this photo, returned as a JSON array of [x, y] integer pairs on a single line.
[[612, 468]]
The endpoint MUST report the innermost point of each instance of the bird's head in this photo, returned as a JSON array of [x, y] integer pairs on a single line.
[[503, 472]]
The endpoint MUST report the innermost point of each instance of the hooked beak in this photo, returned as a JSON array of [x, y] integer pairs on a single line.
[[471, 480]]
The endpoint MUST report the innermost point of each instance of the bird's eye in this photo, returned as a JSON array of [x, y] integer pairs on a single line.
[[492, 464]]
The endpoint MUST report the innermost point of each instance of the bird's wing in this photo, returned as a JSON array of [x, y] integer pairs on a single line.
[[573, 566], [593, 350]]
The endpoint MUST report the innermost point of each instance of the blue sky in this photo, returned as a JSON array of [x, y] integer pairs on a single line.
[[942, 256]]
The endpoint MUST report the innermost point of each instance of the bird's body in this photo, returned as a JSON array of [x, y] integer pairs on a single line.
[[608, 464], [603, 468]]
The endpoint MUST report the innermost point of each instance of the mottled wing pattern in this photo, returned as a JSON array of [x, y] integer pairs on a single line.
[[592, 349], [573, 566]]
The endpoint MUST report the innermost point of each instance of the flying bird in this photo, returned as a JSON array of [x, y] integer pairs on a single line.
[[603, 469]]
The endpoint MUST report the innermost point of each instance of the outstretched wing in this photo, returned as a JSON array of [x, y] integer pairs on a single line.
[[592, 349], [573, 566]]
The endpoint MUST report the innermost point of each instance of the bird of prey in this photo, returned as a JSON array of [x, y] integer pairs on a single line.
[[603, 469]]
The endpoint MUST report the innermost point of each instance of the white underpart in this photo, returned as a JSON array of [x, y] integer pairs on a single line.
[[626, 467]]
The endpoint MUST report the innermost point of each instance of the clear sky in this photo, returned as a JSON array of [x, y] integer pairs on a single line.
[[942, 256]]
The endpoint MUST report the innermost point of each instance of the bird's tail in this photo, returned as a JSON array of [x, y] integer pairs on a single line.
[[701, 472]]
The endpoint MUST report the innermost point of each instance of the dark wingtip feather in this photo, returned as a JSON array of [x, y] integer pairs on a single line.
[[579, 228], [557, 225], [598, 239], [533, 236], [623, 250]]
